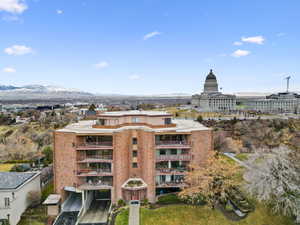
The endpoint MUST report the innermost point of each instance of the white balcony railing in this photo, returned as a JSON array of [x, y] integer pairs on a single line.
[[172, 142], [95, 144], [182, 157]]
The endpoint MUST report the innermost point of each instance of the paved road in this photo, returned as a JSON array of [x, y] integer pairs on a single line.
[[134, 214], [97, 213]]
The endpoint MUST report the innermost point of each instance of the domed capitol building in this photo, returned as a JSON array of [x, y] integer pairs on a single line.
[[211, 100]]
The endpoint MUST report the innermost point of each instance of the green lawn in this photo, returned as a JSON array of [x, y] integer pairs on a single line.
[[6, 167], [201, 215], [242, 156], [36, 216]]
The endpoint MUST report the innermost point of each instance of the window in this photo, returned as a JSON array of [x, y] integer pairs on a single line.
[[101, 122], [134, 165], [134, 153], [6, 202], [173, 151], [162, 151], [168, 121], [134, 141]]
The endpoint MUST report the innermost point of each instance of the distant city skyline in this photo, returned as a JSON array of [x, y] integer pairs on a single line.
[[150, 46]]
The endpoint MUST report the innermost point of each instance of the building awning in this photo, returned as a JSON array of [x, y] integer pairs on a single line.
[[52, 199]]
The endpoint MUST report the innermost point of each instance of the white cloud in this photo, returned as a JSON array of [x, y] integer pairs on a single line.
[[134, 77], [59, 11], [13, 6], [239, 53], [237, 43], [9, 70], [102, 65], [18, 50], [255, 40], [151, 35]]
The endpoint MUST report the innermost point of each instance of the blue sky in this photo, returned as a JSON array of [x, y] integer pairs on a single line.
[[150, 46]]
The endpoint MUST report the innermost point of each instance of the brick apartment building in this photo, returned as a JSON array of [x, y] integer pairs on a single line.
[[127, 155]]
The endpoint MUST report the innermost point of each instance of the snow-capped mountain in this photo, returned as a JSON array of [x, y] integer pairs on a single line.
[[8, 92]]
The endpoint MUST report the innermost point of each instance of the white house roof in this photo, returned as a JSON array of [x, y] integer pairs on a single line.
[[13, 180], [52, 199]]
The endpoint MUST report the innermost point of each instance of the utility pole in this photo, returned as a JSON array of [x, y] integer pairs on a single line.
[[287, 83]]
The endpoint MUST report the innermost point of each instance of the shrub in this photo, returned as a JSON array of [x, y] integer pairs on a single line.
[[48, 152], [121, 203], [151, 206], [34, 198], [200, 119], [196, 199], [169, 199], [229, 207], [145, 201]]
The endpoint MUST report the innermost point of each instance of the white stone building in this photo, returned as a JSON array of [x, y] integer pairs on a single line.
[[14, 189], [284, 102], [211, 100]]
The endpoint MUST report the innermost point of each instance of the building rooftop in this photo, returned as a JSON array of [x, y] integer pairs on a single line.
[[13, 180], [135, 112], [52, 199], [85, 127]]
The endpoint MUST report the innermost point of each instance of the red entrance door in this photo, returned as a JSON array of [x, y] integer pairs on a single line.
[[135, 195]]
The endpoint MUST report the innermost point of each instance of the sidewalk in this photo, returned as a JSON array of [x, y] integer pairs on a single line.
[[134, 214]]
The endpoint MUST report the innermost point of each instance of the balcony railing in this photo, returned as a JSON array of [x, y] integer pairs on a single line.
[[95, 158], [170, 142], [171, 184], [180, 170], [91, 185], [94, 172], [182, 157], [101, 144]]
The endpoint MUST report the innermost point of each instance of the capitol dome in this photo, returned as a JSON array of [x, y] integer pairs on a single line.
[[211, 84]]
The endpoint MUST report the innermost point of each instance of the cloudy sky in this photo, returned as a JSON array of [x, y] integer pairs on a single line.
[[150, 46]]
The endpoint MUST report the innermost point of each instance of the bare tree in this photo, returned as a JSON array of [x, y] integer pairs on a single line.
[[274, 178]]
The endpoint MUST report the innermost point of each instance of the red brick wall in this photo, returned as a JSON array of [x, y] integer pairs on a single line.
[[123, 169], [202, 142], [121, 141], [147, 161], [64, 161]]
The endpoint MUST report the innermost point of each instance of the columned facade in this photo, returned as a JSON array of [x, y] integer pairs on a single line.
[[211, 100]]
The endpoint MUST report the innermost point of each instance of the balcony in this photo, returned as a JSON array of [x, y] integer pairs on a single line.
[[95, 159], [171, 171], [94, 145], [94, 172], [96, 185], [182, 157], [172, 144], [171, 184]]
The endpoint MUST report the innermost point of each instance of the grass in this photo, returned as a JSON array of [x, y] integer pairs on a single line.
[[201, 215], [6, 167], [242, 156], [34, 216], [122, 218]]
